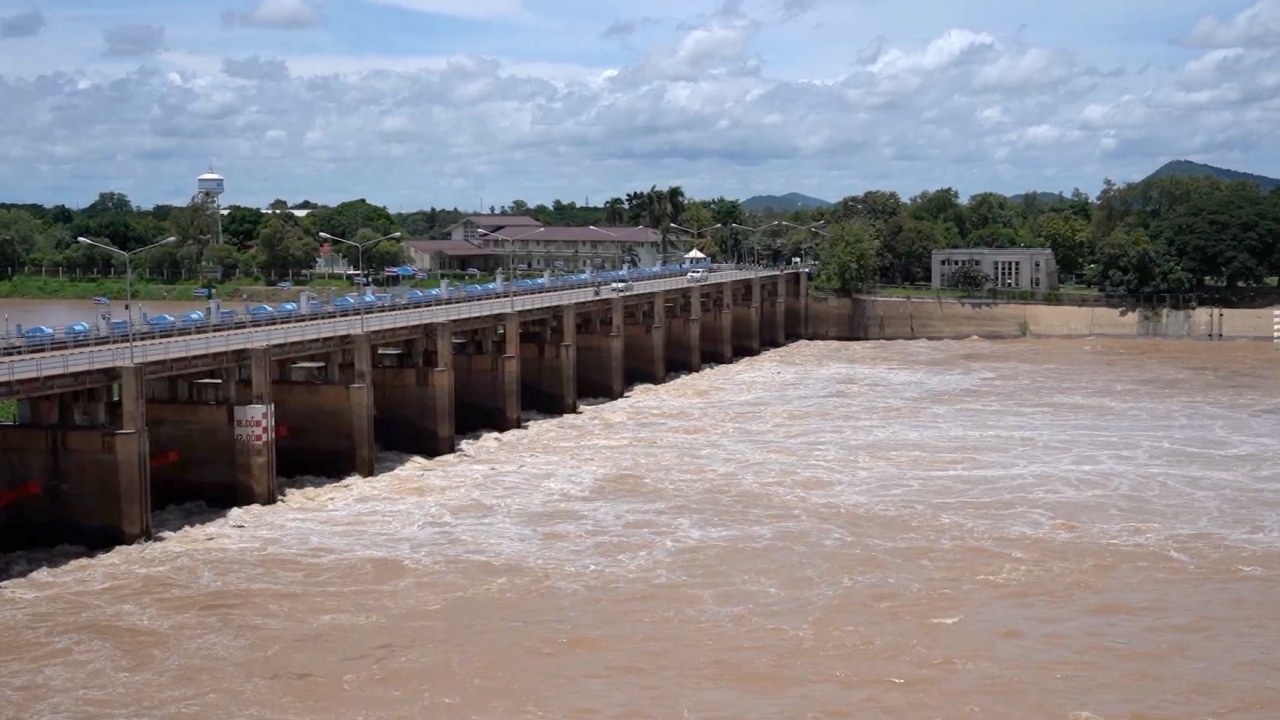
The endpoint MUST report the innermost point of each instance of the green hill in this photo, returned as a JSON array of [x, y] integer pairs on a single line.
[[1043, 198], [1186, 168], [783, 203]]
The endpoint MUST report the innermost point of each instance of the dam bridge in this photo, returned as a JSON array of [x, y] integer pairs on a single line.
[[100, 442]]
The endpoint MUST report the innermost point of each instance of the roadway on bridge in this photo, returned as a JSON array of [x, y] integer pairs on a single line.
[[64, 362]]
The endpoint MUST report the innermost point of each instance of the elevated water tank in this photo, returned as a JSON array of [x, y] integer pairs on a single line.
[[211, 183]]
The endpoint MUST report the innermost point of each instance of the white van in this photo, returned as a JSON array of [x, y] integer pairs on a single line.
[[697, 276]]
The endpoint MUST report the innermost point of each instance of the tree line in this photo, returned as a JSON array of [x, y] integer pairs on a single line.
[[1171, 234]]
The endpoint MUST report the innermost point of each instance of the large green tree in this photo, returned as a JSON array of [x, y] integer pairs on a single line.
[[850, 258]]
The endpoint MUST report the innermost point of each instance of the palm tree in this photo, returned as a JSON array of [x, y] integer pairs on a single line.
[[705, 244], [660, 217], [615, 212], [677, 202], [637, 206]]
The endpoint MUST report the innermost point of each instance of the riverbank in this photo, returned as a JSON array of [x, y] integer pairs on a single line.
[[881, 318], [25, 287]]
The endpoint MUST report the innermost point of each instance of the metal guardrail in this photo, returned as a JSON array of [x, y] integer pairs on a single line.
[[65, 362], [83, 334]]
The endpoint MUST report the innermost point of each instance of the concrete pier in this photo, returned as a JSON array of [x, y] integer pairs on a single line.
[[212, 437], [92, 455], [773, 314], [65, 483], [717, 327], [254, 425], [746, 320], [324, 413], [548, 363], [645, 344], [413, 394], [601, 362], [684, 332], [487, 378]]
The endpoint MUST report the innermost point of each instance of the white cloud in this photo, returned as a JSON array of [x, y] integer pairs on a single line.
[[464, 9], [1257, 26], [276, 14], [702, 106]]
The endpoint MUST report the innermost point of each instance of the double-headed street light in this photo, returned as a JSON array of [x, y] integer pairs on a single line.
[[360, 255], [755, 246], [811, 228], [696, 232], [509, 282], [360, 246], [128, 275], [616, 246]]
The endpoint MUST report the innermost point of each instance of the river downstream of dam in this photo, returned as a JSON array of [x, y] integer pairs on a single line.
[[959, 529]]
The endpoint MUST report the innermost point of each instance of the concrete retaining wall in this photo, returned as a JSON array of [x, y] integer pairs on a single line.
[[865, 318], [60, 486], [405, 403], [195, 444], [316, 436]]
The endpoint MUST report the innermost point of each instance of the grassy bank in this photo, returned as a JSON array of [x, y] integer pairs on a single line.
[[8, 411]]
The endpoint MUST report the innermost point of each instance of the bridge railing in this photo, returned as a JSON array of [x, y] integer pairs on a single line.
[[317, 327], [44, 339]]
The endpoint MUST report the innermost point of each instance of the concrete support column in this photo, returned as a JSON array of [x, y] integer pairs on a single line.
[[726, 329], [442, 389], [417, 351], [333, 367], [230, 385], [509, 370], [695, 329], [569, 359], [754, 315], [362, 410], [617, 356], [804, 305], [128, 515], [780, 314], [658, 333], [255, 453]]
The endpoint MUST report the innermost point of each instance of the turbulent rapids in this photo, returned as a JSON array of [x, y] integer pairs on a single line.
[[900, 529]]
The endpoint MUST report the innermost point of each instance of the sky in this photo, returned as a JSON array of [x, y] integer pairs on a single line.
[[473, 103]]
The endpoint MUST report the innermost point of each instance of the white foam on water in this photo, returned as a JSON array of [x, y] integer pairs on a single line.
[[785, 465]]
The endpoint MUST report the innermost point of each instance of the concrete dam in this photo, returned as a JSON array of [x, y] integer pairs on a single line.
[[101, 442]]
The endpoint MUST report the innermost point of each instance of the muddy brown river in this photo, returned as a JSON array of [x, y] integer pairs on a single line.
[[902, 530]]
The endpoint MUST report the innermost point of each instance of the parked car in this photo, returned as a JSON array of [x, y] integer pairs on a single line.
[[697, 275], [620, 286]]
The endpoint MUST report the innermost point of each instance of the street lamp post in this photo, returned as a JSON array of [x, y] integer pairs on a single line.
[[360, 258], [695, 232], [617, 235], [509, 281], [360, 246], [754, 230], [128, 275], [810, 228]]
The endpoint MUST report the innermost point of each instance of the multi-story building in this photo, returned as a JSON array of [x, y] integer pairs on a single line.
[[469, 228], [451, 256], [1013, 268], [523, 242]]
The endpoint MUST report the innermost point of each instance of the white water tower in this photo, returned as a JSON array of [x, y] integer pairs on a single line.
[[211, 185]]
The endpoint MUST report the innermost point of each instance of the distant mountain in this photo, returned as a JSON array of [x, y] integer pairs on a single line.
[[783, 203], [1044, 198], [1186, 168]]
